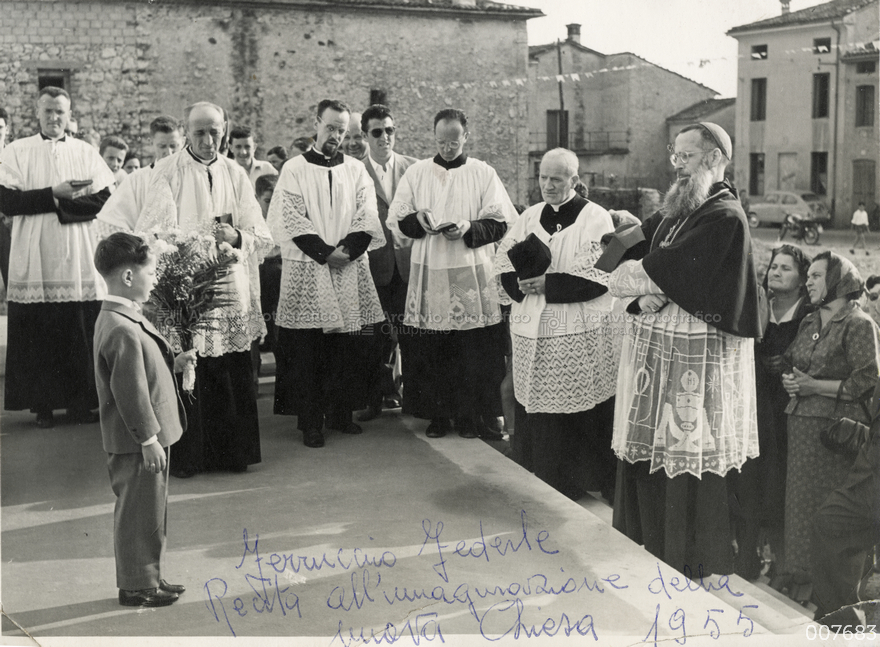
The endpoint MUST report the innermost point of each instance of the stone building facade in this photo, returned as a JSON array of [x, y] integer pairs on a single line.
[[269, 62]]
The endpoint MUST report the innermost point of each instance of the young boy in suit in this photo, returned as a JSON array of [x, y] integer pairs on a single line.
[[141, 416]]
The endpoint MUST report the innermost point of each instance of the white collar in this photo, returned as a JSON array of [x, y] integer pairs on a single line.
[[389, 165], [789, 314], [123, 301], [556, 207]]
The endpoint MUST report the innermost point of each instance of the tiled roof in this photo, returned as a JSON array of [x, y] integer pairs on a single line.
[[535, 50], [701, 109], [819, 13], [475, 6], [867, 52]]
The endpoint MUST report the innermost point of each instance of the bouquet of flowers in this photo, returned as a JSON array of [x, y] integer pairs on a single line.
[[191, 270]]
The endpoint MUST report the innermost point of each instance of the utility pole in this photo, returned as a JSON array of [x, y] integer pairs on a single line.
[[560, 129]]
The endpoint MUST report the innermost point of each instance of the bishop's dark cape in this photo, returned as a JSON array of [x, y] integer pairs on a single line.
[[708, 269]]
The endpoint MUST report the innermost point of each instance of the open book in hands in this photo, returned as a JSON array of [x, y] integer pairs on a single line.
[[437, 223]]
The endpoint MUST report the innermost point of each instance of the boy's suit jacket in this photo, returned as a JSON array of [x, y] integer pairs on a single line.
[[382, 260], [136, 386]]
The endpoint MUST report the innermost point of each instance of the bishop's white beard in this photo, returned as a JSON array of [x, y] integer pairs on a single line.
[[685, 196]]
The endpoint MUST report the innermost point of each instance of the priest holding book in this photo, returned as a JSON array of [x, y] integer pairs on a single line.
[[452, 314], [564, 364]]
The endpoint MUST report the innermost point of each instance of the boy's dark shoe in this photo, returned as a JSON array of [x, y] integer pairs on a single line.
[[147, 598], [171, 588]]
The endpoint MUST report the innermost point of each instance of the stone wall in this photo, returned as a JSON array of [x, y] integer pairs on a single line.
[[270, 66]]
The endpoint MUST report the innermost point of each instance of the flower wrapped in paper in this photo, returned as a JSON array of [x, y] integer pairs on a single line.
[[195, 277]]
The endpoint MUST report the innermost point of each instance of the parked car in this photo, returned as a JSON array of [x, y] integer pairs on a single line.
[[775, 206]]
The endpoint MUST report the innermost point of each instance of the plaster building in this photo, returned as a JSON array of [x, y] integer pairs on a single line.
[[807, 109], [269, 62], [612, 113]]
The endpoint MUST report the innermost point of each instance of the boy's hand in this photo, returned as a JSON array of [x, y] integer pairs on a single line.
[[184, 359], [154, 457]]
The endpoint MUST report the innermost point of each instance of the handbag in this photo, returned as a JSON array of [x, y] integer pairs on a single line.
[[846, 436]]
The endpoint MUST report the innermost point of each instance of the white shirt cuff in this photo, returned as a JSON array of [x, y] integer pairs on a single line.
[[152, 440]]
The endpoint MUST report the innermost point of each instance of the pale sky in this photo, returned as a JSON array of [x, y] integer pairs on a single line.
[[675, 34]]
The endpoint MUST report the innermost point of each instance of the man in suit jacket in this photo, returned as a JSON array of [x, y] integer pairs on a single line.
[[389, 265], [141, 416]]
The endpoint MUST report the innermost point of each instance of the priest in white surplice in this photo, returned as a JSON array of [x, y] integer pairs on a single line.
[[324, 217], [52, 186], [564, 360], [200, 190], [455, 208]]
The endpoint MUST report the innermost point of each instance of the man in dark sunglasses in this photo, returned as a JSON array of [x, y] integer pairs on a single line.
[[389, 265]]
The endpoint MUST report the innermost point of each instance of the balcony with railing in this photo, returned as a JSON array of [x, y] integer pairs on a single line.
[[583, 142]]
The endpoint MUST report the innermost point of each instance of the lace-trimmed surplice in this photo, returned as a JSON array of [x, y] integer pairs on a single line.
[[563, 353], [686, 390]]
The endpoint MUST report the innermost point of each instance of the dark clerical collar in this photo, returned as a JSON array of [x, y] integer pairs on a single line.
[[49, 139], [318, 159], [199, 159], [555, 220], [718, 187], [458, 161]]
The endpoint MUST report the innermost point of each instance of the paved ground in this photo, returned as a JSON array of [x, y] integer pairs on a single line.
[[445, 539]]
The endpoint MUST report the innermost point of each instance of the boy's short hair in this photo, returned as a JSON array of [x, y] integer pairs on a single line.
[[118, 250], [112, 141], [265, 183], [240, 132], [165, 124]]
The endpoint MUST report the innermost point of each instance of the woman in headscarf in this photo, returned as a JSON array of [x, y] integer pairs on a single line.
[[761, 483], [833, 363]]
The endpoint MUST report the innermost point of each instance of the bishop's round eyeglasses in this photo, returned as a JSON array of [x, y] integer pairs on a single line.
[[376, 133], [683, 156]]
